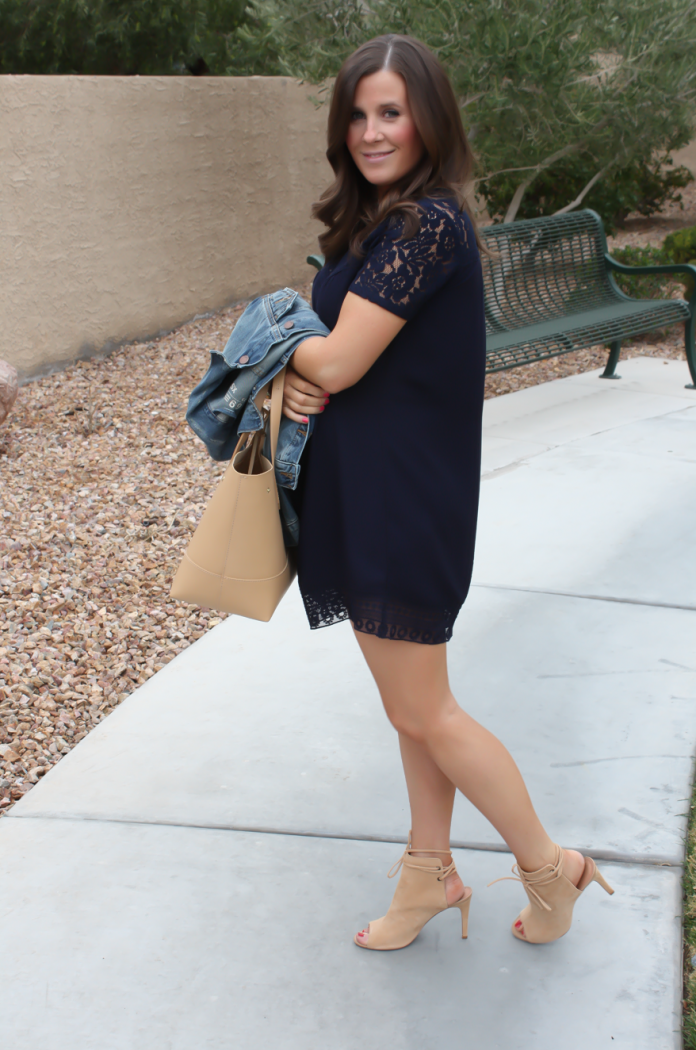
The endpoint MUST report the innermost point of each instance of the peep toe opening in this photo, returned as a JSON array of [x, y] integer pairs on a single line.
[[552, 897]]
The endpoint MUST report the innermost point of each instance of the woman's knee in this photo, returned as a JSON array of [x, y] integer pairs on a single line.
[[420, 723], [404, 723]]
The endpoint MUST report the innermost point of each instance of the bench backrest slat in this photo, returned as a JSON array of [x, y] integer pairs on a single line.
[[544, 268]]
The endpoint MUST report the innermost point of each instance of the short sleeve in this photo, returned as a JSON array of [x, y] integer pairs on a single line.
[[400, 275]]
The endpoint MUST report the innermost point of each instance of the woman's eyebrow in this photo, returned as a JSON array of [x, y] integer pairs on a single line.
[[383, 105], [380, 105]]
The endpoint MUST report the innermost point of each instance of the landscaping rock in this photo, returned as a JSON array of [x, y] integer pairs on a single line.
[[9, 385]]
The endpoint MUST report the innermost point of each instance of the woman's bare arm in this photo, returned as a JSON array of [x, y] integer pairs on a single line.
[[336, 361]]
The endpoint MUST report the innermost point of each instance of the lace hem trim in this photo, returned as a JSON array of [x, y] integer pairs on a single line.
[[385, 619]]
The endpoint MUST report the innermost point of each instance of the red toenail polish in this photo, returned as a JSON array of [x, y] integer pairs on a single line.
[[518, 925]]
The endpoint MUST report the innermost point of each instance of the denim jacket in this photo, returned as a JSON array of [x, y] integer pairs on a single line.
[[222, 405]]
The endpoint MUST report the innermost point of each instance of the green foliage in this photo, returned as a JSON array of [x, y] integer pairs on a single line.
[[604, 83], [689, 899], [658, 286], [652, 286], [640, 186], [116, 36], [308, 39], [681, 246]]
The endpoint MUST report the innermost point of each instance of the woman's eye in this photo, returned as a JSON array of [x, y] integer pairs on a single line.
[[357, 115], [391, 113]]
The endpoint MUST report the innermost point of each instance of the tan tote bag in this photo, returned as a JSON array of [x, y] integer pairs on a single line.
[[236, 561]]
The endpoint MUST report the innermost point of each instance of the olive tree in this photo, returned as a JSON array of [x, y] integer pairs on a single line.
[[584, 89]]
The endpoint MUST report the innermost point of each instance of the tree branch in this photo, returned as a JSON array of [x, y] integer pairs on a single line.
[[463, 103], [583, 193], [519, 193], [506, 171], [514, 205]]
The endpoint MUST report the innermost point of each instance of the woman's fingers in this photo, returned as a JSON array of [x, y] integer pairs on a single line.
[[303, 386], [294, 415], [313, 404], [302, 398], [306, 406]]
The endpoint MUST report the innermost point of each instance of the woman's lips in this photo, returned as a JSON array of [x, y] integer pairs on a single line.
[[372, 158]]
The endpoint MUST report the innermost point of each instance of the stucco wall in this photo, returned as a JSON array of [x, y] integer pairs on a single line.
[[687, 157], [129, 204]]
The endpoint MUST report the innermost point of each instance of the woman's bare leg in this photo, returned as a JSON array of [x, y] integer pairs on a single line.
[[430, 796], [431, 800], [413, 683]]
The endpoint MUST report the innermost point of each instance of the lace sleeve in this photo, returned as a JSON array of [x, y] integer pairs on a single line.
[[400, 275]]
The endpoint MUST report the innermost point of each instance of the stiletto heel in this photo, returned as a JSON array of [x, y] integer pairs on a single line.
[[552, 896], [463, 906], [419, 896], [598, 877]]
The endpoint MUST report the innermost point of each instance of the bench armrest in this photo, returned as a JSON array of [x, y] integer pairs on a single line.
[[316, 260], [637, 271]]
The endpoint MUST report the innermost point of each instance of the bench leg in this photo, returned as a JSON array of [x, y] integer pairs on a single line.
[[689, 328], [612, 361]]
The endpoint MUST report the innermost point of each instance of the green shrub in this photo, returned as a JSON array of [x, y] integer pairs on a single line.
[[641, 186], [116, 37], [689, 886], [653, 286], [680, 247], [674, 249]]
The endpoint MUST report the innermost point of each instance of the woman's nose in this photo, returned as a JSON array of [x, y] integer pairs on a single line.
[[372, 132]]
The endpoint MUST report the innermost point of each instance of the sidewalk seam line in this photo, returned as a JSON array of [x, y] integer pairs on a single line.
[[585, 597], [616, 856]]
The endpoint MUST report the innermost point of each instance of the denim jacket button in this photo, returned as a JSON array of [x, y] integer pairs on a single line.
[[289, 324], [243, 359]]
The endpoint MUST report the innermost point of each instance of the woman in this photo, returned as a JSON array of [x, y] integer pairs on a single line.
[[392, 479]]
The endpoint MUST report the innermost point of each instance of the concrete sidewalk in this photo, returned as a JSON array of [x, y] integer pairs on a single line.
[[191, 875]]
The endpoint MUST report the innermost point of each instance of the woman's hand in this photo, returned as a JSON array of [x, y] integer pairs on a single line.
[[302, 398]]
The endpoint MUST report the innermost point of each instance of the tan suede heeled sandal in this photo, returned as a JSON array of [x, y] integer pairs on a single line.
[[420, 894], [552, 896]]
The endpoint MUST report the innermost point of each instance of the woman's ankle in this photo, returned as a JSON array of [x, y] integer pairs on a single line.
[[444, 855], [538, 857], [573, 863], [454, 886]]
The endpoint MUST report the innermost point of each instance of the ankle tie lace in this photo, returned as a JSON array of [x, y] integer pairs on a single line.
[[530, 879], [441, 872]]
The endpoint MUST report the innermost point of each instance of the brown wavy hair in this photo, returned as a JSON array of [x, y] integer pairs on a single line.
[[350, 207]]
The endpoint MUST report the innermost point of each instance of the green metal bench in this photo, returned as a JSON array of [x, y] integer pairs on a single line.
[[550, 289]]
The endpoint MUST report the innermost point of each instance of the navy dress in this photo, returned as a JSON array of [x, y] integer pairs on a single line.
[[391, 486]]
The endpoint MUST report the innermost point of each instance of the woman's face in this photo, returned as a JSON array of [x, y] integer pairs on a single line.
[[382, 137]]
